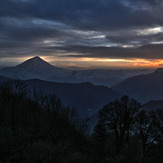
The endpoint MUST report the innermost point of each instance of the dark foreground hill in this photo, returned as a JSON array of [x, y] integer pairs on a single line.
[[34, 132], [35, 129], [143, 87]]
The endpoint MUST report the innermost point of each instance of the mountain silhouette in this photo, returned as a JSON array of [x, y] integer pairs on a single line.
[[3, 79], [34, 68], [85, 97], [143, 87], [153, 105]]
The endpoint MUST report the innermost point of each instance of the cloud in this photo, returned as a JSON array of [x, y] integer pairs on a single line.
[[84, 14], [136, 37], [71, 28], [142, 52]]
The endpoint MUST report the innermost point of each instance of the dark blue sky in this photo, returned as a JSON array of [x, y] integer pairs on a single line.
[[82, 32]]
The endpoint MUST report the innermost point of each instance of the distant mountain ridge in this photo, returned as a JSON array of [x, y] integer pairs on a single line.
[[153, 105], [85, 97], [143, 87], [37, 68], [3, 79]]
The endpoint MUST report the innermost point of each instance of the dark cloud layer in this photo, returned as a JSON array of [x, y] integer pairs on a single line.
[[84, 14], [142, 52], [91, 28]]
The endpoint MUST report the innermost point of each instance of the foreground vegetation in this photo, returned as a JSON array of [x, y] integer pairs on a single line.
[[38, 128]]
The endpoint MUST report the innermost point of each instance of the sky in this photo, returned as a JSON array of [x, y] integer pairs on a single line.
[[83, 34]]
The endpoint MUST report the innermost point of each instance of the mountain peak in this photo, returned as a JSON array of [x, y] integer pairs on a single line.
[[32, 68], [36, 57], [34, 61]]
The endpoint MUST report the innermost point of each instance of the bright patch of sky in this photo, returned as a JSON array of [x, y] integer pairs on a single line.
[[150, 31]]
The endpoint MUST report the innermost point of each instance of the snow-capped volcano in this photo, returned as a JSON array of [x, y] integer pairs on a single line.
[[32, 69]]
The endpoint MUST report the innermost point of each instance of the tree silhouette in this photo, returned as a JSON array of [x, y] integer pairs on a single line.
[[118, 119], [38, 129]]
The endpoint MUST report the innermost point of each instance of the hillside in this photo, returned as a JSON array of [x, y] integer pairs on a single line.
[[86, 97], [143, 87], [153, 105]]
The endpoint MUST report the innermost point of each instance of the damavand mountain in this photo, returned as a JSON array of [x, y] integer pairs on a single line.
[[34, 68], [37, 68]]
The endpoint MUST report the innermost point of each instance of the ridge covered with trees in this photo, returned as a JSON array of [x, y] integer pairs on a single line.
[[39, 128]]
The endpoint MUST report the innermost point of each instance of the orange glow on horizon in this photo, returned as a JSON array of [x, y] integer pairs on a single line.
[[93, 62], [147, 63]]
